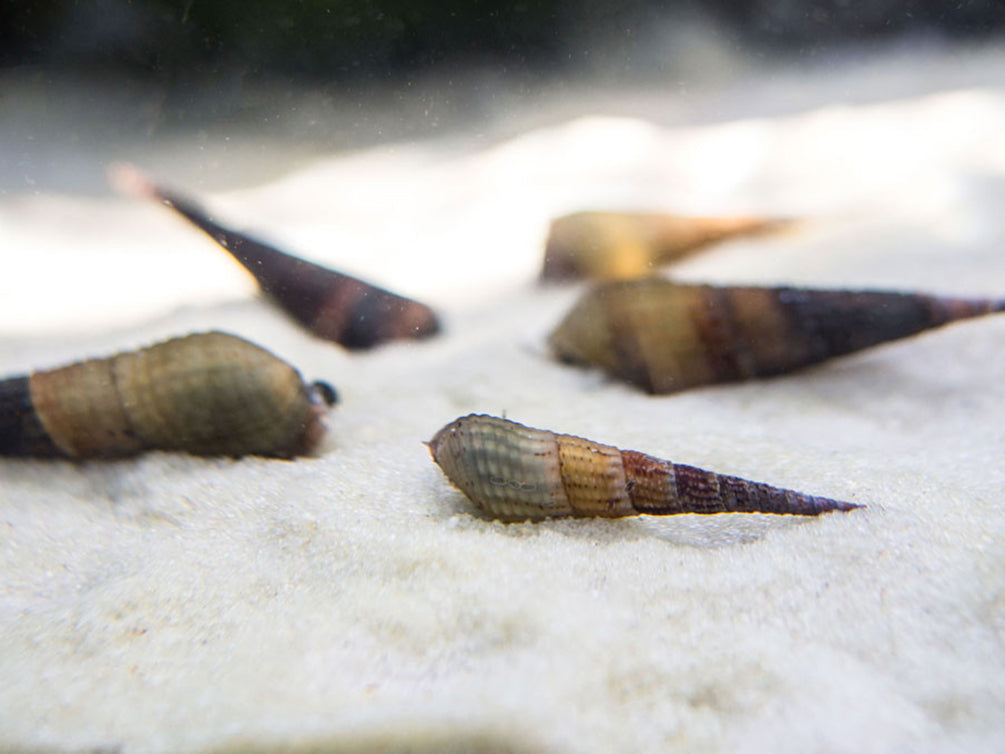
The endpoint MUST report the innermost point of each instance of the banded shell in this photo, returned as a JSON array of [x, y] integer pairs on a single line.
[[332, 305], [664, 337], [205, 394], [513, 472], [617, 245]]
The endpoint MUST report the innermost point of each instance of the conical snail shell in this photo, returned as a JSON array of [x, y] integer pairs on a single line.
[[513, 472], [618, 245], [665, 337], [330, 304], [205, 394]]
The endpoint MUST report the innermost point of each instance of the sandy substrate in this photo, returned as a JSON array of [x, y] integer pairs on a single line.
[[353, 602]]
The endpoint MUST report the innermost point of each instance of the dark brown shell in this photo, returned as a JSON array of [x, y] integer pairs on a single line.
[[665, 337], [619, 245], [330, 304], [513, 472], [205, 394]]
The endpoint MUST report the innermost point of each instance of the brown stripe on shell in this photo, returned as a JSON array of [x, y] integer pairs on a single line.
[[332, 305], [593, 477], [665, 337], [205, 394], [513, 472], [621, 245]]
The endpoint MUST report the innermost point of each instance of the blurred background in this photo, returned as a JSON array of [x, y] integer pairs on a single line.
[[354, 41], [284, 80]]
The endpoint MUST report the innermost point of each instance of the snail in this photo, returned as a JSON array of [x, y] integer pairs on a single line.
[[512, 472], [205, 394], [332, 305], [664, 337], [618, 245]]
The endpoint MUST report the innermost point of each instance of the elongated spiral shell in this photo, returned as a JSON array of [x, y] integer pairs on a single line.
[[665, 337], [619, 245], [332, 305], [513, 472], [205, 394]]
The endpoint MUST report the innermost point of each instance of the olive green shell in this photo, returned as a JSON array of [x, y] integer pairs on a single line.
[[205, 394], [665, 337], [513, 472], [620, 245]]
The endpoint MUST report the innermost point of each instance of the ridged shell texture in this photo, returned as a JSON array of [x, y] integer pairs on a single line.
[[513, 472], [206, 394]]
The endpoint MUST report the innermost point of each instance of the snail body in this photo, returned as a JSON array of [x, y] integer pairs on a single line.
[[205, 394], [664, 337], [619, 245], [332, 305], [513, 472]]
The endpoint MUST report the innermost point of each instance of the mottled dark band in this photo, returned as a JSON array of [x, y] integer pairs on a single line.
[[664, 488], [332, 305], [665, 337], [21, 432]]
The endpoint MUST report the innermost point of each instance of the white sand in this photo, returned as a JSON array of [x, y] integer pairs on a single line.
[[352, 602]]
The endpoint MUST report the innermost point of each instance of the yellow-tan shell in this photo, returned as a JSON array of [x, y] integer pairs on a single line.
[[620, 245], [665, 337], [205, 394], [512, 472]]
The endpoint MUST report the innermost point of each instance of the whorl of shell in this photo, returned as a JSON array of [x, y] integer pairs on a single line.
[[205, 394], [330, 304], [665, 337], [618, 245], [512, 472]]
